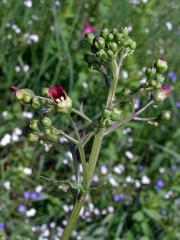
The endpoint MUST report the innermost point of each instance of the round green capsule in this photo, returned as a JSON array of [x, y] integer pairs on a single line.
[[46, 121]]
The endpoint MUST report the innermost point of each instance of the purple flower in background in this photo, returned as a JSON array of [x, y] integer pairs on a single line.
[[22, 208], [1, 226], [159, 184], [174, 167], [136, 103], [34, 196], [27, 195], [118, 197], [178, 104], [172, 75], [141, 167]]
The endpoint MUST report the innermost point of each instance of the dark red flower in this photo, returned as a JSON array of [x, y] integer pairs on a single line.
[[166, 89], [57, 92]]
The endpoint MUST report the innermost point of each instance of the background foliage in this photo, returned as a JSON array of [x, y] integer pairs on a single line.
[[137, 178]]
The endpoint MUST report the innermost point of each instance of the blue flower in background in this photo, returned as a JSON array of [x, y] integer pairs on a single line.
[[118, 197], [178, 104], [160, 184], [27, 195], [21, 208], [1, 226], [173, 76], [34, 196]]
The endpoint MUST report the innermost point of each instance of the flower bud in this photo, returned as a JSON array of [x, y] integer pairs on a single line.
[[114, 31], [105, 32], [150, 72], [110, 37], [35, 103], [34, 124], [166, 115], [106, 113], [118, 36], [25, 95], [152, 83], [158, 96], [99, 42], [125, 31], [113, 46], [46, 121], [132, 44], [110, 53], [161, 65], [159, 78], [32, 137], [90, 37], [101, 54], [116, 114], [48, 131]]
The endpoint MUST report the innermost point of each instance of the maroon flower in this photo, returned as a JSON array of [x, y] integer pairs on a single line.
[[166, 89], [57, 93]]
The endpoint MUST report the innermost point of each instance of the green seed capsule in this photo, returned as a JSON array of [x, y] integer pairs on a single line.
[[152, 83], [33, 137], [46, 122], [150, 72], [34, 124], [158, 96], [116, 114], [106, 113], [35, 103], [166, 115], [161, 65], [159, 78], [44, 91], [48, 131]]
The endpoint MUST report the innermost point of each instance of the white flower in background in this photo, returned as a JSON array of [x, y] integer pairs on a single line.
[[7, 185], [104, 212], [62, 139], [144, 1], [145, 180], [168, 195], [39, 188], [34, 38], [4, 114], [95, 178], [119, 169], [69, 155], [169, 26], [85, 85], [28, 3], [17, 69], [27, 171], [137, 183], [15, 137], [104, 169], [161, 170], [125, 74], [110, 209], [129, 154], [28, 115], [66, 208], [31, 212], [18, 131], [65, 161], [113, 182], [52, 225], [26, 68], [129, 179], [5, 140]]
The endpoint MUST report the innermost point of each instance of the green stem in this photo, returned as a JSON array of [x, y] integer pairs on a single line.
[[74, 217], [94, 153], [82, 115], [81, 153]]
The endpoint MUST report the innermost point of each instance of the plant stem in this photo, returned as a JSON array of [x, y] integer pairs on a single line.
[[74, 217], [94, 152], [82, 115]]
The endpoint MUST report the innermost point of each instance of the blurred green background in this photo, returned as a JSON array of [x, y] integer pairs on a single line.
[[137, 179]]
